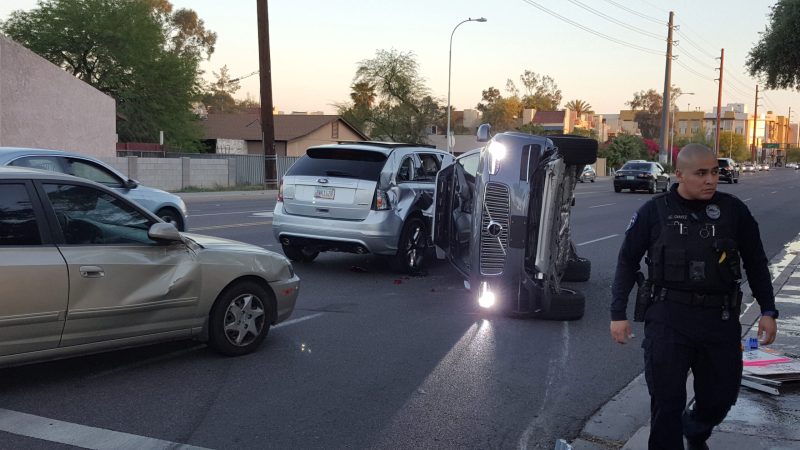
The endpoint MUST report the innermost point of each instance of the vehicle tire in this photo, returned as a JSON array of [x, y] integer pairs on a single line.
[[736, 180], [581, 180], [666, 186], [576, 150], [240, 319], [577, 270], [617, 189], [169, 215], [592, 180], [565, 305], [412, 248], [652, 188], [299, 254]]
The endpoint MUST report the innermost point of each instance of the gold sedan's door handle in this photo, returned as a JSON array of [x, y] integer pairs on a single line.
[[92, 272]]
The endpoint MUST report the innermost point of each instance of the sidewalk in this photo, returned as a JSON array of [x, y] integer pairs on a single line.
[[757, 421]]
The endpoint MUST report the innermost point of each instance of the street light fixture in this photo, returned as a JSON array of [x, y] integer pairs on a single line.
[[672, 138], [449, 68]]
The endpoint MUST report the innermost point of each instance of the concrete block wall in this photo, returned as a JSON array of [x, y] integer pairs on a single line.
[[173, 174]]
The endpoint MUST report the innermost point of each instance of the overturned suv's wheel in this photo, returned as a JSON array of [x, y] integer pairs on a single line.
[[565, 305], [412, 247], [240, 319], [578, 269], [299, 254]]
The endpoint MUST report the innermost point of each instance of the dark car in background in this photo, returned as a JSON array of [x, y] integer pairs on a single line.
[[641, 176], [728, 170]]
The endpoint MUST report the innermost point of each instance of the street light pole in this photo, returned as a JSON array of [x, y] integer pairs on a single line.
[[449, 69], [672, 139]]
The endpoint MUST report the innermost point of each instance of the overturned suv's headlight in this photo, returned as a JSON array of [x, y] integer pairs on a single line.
[[486, 298], [497, 152]]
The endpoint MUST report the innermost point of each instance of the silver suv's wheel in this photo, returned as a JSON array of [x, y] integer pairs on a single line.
[[412, 246]]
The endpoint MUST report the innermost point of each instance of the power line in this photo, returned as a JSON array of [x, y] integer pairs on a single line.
[[654, 6], [693, 71], [596, 33], [617, 21], [692, 43], [695, 59], [637, 13]]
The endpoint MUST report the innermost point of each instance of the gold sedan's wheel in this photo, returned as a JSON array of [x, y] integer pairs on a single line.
[[240, 318]]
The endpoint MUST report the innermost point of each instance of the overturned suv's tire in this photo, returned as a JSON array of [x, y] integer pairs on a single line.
[[578, 269], [576, 150], [565, 305]]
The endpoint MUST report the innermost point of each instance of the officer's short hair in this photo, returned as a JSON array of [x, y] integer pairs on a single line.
[[690, 152]]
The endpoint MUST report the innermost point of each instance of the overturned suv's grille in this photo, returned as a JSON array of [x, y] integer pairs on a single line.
[[494, 239]]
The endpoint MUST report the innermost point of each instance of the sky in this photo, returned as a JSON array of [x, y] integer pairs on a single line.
[[316, 46]]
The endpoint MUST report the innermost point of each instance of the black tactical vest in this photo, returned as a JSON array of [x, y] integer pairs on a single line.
[[696, 250]]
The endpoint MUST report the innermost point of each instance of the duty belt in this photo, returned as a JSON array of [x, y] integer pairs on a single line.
[[694, 298]]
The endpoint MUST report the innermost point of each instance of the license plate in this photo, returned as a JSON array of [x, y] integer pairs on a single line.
[[629, 177], [326, 193]]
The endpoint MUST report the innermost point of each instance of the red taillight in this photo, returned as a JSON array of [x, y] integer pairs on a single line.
[[645, 175], [280, 192], [380, 201]]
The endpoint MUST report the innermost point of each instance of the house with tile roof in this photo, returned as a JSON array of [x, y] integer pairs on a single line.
[[240, 133]]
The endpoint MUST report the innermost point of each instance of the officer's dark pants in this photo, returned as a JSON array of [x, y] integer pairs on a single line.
[[680, 337]]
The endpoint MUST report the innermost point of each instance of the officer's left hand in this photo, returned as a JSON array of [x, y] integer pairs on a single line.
[[767, 329]]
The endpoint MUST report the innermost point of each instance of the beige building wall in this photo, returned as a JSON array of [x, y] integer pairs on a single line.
[[43, 106], [324, 135]]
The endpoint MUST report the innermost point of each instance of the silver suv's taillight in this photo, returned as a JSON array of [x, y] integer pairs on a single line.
[[380, 202]]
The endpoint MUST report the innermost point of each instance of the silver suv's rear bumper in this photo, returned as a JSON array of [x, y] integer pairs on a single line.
[[378, 233]]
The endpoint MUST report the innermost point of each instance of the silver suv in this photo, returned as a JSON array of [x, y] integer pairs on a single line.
[[368, 197], [502, 219]]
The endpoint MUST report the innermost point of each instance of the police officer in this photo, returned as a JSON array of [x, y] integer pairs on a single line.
[[694, 238]]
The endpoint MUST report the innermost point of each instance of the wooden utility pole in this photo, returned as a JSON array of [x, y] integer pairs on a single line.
[[755, 125], [719, 100], [267, 123], [667, 99]]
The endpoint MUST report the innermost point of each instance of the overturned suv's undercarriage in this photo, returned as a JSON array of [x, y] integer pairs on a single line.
[[502, 219]]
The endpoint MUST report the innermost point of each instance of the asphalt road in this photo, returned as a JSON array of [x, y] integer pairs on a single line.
[[378, 360]]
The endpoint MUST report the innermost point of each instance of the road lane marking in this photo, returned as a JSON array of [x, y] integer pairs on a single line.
[[597, 240], [774, 192], [298, 320], [258, 211], [599, 206], [233, 225], [747, 199], [38, 427]]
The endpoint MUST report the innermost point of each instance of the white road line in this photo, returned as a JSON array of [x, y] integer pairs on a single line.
[[590, 192], [747, 199], [233, 225], [774, 192], [52, 430], [597, 240], [228, 213], [298, 320], [598, 206]]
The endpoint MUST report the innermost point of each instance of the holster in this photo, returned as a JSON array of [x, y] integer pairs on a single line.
[[644, 297]]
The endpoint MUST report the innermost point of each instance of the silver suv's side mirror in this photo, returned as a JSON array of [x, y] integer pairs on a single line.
[[484, 132]]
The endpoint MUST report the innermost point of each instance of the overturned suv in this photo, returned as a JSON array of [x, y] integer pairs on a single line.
[[501, 218]]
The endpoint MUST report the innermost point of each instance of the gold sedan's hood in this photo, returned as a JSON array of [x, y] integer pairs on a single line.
[[215, 243]]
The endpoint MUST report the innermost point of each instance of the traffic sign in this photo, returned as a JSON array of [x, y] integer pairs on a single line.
[[772, 145]]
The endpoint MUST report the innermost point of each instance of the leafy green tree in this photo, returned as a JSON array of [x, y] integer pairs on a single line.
[[624, 148], [647, 106], [503, 114], [590, 133], [776, 56], [404, 106], [488, 97], [734, 145], [792, 155], [541, 92], [141, 53], [218, 96], [533, 128]]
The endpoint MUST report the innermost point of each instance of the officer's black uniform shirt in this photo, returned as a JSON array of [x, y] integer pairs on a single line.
[[645, 228]]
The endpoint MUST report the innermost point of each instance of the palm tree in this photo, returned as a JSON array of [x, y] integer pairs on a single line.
[[363, 94], [579, 106]]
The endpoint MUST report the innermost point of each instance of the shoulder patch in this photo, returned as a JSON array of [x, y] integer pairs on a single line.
[[632, 222]]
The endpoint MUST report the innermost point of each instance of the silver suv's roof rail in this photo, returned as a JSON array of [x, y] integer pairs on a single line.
[[385, 144]]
